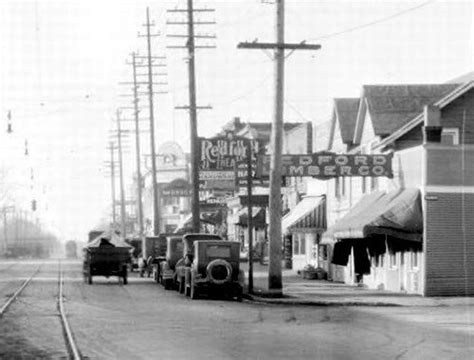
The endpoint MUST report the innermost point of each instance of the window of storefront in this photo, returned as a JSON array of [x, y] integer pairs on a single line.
[[374, 183], [323, 252], [413, 260], [296, 245], [363, 185], [392, 260], [299, 244]]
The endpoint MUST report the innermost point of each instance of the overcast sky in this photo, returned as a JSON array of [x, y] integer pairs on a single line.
[[62, 61]]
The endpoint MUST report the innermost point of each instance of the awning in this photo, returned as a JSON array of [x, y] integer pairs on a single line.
[[258, 217], [397, 214], [309, 214]]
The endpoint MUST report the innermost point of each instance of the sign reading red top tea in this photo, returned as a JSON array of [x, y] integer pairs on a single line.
[[329, 165]]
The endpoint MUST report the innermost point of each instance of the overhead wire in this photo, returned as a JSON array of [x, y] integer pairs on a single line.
[[375, 22]]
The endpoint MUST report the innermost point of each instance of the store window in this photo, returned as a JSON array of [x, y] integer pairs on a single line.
[[392, 260], [337, 193], [299, 244], [413, 260]]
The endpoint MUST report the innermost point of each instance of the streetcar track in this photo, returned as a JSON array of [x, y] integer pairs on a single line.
[[71, 346], [13, 297], [70, 342]]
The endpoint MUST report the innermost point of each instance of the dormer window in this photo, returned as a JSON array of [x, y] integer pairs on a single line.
[[450, 136]]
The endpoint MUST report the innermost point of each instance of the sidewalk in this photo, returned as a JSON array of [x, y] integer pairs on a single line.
[[299, 291]]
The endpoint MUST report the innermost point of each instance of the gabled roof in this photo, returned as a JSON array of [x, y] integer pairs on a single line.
[[392, 106], [345, 111], [417, 120]]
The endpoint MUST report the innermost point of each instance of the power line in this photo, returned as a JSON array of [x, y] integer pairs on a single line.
[[375, 22], [247, 93]]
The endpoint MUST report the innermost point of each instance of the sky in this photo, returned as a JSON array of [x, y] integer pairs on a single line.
[[63, 61]]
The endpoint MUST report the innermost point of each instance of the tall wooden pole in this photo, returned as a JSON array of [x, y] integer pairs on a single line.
[[122, 191], [274, 268], [156, 209], [193, 120], [112, 180], [250, 213], [137, 151]]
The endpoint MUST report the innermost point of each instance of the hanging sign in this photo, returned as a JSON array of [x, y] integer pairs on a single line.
[[330, 165]]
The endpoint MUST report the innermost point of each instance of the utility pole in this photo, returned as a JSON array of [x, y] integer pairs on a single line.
[[138, 154], [193, 120], [191, 47], [275, 255], [112, 179], [156, 209], [111, 164], [122, 191]]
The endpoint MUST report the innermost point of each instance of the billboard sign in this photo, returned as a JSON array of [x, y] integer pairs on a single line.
[[330, 165], [222, 154]]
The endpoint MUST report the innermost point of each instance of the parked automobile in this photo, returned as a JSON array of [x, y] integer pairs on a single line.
[[215, 269], [188, 255], [174, 252]]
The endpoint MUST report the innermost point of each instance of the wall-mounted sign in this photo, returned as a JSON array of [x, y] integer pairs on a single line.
[[329, 165], [217, 175], [176, 188], [223, 153]]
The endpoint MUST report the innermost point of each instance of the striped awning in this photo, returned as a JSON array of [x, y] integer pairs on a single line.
[[308, 215]]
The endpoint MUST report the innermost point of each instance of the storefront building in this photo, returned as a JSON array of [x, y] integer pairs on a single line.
[[410, 233]]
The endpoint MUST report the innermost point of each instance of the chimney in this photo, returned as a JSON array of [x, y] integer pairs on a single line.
[[432, 124]]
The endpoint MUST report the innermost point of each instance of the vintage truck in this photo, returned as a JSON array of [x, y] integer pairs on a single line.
[[188, 255], [215, 270], [107, 255]]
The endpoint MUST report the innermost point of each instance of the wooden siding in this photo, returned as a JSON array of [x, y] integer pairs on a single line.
[[445, 165], [449, 244], [460, 114]]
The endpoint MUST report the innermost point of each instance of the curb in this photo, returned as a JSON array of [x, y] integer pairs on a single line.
[[305, 302]]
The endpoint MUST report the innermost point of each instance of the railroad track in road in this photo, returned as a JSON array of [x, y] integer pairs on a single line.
[[71, 343], [13, 297], [71, 346]]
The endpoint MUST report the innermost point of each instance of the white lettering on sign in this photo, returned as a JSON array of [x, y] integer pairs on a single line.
[[379, 160], [296, 170], [360, 160], [341, 160]]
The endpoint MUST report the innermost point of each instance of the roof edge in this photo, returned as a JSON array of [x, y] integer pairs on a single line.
[[443, 102]]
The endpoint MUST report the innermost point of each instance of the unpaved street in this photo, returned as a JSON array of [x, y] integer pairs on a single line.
[[141, 320]]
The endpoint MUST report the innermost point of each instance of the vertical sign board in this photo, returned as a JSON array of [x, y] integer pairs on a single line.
[[221, 156]]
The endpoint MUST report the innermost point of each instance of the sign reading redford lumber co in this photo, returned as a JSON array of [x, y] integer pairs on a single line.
[[329, 165]]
